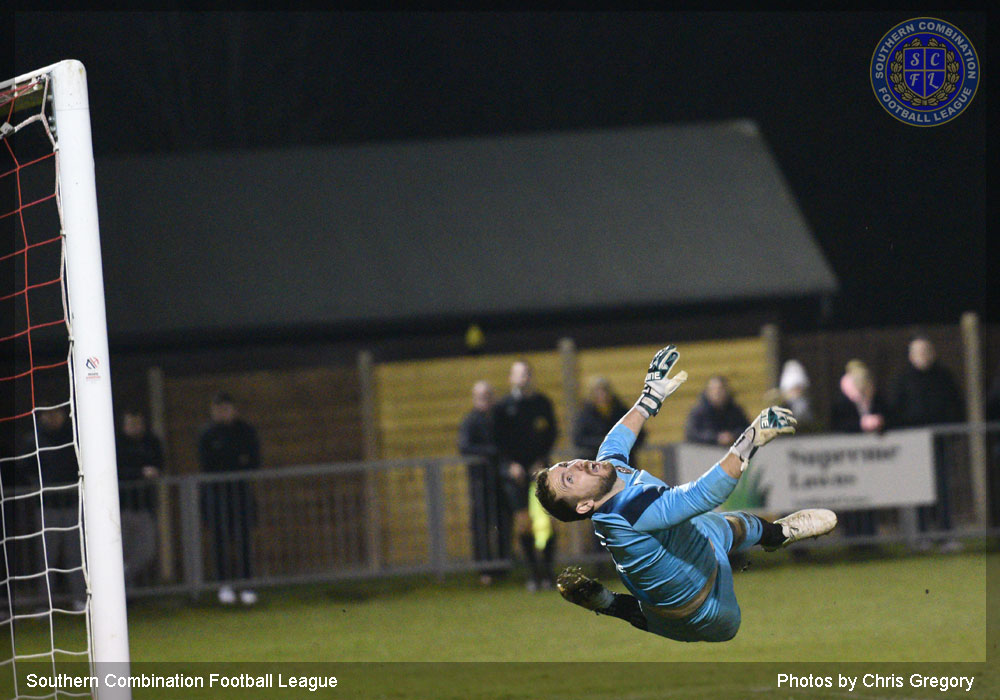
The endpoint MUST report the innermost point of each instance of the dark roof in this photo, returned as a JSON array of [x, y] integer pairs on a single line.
[[392, 231]]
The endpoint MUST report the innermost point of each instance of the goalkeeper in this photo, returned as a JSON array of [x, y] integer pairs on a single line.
[[670, 550]]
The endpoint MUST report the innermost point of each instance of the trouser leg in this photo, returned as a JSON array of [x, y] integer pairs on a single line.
[[478, 520], [749, 530]]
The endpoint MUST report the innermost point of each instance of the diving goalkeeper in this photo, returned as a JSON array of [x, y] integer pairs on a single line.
[[670, 550]]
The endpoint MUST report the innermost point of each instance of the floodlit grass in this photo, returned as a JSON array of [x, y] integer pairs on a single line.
[[927, 612], [914, 609]]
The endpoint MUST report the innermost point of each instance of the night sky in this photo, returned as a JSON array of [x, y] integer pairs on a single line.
[[899, 211]]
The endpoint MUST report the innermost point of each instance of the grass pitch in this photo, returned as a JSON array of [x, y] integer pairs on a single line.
[[926, 612], [929, 608]]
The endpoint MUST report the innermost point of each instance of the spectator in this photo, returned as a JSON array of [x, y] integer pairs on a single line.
[[140, 459], [59, 468], [716, 419], [229, 444], [525, 426], [597, 417], [476, 441], [859, 408], [925, 393], [21, 556], [793, 393], [993, 415]]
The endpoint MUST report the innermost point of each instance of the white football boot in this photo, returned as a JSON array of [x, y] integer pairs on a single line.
[[804, 524], [227, 596]]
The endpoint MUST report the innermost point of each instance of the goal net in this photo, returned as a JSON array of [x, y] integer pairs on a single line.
[[62, 597]]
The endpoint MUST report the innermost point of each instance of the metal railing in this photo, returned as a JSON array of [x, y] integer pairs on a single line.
[[195, 532]]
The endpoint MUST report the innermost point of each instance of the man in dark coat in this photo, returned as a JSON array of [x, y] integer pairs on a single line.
[[925, 393], [716, 419], [992, 416], [140, 459], [229, 444], [476, 441], [57, 463], [525, 426]]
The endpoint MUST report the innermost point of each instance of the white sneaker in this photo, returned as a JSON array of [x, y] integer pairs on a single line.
[[804, 524], [248, 597], [227, 596]]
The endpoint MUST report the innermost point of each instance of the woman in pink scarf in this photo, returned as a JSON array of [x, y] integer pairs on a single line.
[[859, 409]]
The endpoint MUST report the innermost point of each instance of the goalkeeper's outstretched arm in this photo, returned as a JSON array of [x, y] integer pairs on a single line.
[[658, 386], [732, 463], [714, 486]]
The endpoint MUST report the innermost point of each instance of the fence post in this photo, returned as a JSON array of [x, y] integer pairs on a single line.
[[369, 431], [194, 574], [974, 401], [568, 358], [434, 495], [158, 426]]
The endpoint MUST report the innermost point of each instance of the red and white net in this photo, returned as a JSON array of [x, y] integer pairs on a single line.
[[43, 591]]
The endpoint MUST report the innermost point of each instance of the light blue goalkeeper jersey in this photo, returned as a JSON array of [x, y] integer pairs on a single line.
[[660, 546]]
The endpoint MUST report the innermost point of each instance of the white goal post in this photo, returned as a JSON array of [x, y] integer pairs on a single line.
[[90, 407]]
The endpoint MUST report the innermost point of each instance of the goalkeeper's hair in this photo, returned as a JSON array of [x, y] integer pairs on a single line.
[[557, 508]]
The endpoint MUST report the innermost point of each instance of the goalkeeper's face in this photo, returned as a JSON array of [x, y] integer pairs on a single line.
[[582, 481]]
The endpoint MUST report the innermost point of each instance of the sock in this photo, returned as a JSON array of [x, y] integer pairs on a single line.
[[625, 607], [772, 535]]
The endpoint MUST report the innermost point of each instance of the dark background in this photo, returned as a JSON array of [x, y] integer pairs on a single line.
[[899, 211]]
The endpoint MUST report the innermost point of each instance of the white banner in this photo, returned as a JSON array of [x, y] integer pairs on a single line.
[[832, 471]]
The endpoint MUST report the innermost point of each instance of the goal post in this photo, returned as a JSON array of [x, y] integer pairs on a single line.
[[64, 106], [89, 344]]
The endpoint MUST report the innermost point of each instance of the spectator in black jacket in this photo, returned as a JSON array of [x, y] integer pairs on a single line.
[[229, 444], [716, 419], [925, 393], [993, 415], [596, 418], [525, 425], [140, 459], [490, 527], [858, 408], [59, 468]]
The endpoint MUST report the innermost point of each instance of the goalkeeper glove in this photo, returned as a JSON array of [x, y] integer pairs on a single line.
[[658, 386], [768, 425]]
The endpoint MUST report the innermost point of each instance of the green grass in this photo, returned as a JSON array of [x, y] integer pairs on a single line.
[[915, 609]]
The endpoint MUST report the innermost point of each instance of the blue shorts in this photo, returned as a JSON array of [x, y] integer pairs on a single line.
[[718, 618]]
